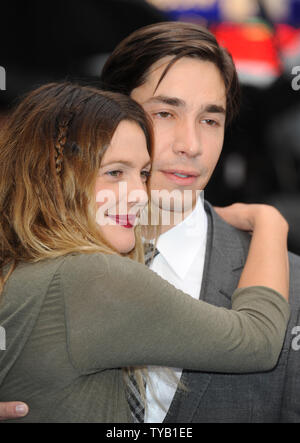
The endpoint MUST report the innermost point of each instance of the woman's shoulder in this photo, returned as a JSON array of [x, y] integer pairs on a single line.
[[75, 263], [32, 277], [29, 273], [73, 268], [78, 265]]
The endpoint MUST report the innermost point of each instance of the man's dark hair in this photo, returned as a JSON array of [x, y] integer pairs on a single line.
[[129, 64]]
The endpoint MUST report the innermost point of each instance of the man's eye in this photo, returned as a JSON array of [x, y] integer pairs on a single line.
[[210, 122], [115, 173], [163, 114]]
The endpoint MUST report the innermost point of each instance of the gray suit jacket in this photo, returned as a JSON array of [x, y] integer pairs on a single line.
[[273, 396]]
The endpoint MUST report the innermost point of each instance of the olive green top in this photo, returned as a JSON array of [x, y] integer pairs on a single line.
[[72, 322]]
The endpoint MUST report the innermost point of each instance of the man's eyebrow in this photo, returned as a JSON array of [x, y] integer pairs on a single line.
[[178, 102], [172, 101], [214, 109]]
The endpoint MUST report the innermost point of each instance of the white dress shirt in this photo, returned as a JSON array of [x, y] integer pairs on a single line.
[[181, 263]]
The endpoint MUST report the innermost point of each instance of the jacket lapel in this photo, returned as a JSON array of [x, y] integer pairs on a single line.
[[225, 257], [224, 260]]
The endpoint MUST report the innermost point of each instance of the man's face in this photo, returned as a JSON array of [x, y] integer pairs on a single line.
[[188, 113]]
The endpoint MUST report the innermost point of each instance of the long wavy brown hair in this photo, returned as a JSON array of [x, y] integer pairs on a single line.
[[50, 153]]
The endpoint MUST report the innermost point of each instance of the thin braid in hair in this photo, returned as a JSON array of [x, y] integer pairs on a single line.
[[57, 156], [61, 140]]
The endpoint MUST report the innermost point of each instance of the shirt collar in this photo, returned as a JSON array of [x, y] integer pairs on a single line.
[[180, 245]]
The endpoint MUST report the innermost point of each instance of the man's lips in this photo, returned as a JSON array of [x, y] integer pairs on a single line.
[[127, 221], [181, 176]]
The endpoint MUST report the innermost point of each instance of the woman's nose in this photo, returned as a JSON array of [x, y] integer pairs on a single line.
[[137, 191]]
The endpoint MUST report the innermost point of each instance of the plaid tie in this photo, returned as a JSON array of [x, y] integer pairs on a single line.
[[133, 393], [135, 400], [150, 253]]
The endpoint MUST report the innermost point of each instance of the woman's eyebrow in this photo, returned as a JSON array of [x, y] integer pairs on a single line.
[[125, 163]]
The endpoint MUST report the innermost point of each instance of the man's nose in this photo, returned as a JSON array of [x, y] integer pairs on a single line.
[[187, 140]]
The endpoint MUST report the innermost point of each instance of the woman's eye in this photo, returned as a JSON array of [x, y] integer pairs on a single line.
[[115, 173], [145, 175]]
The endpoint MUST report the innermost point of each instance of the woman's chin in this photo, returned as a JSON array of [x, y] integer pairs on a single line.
[[125, 248], [123, 244], [120, 238]]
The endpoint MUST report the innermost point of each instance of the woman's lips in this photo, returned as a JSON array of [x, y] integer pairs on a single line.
[[127, 221], [181, 178]]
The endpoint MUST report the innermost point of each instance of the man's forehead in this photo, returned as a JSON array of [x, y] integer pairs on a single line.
[[182, 90], [165, 72], [159, 65], [189, 81], [185, 62]]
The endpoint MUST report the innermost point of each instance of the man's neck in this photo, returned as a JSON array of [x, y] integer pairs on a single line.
[[168, 220], [173, 218]]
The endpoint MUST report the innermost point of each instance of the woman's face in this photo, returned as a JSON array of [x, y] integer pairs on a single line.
[[121, 191]]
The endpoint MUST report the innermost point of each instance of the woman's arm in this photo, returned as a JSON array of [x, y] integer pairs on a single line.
[[119, 313], [267, 262], [267, 265]]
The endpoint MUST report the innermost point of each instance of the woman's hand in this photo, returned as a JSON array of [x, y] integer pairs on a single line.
[[267, 262], [12, 410], [249, 216]]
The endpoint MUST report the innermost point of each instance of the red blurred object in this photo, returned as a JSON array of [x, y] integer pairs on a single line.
[[288, 39], [257, 49]]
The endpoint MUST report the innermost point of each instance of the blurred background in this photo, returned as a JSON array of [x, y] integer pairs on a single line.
[[64, 39]]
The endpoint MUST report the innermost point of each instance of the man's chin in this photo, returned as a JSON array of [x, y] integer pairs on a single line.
[[175, 200]]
